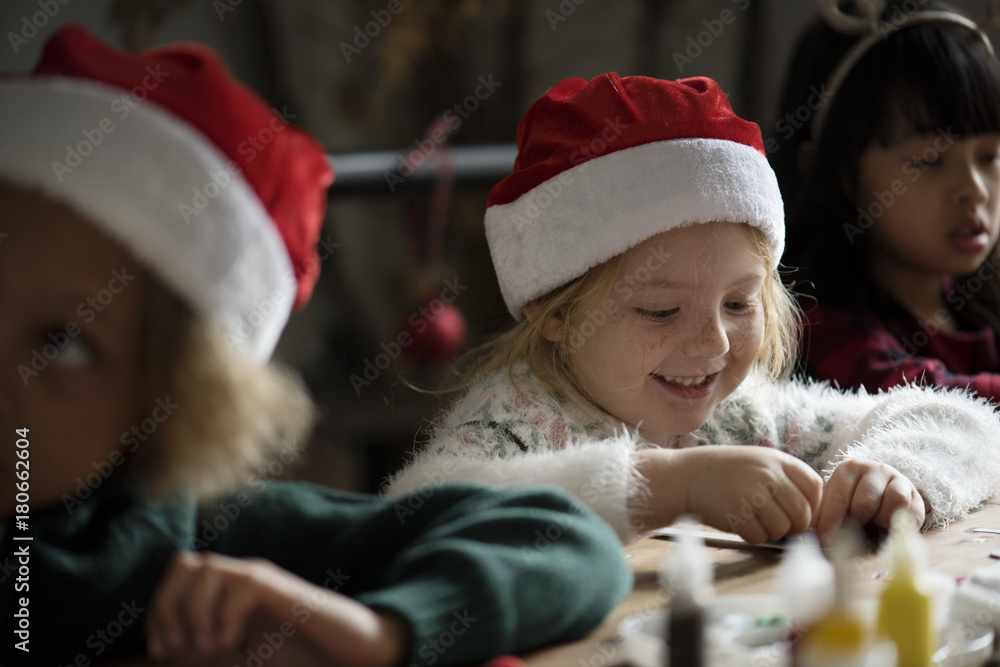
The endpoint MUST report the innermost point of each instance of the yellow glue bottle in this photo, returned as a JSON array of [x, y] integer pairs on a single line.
[[906, 611], [839, 637]]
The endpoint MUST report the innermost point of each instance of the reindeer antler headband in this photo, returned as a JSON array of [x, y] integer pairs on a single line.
[[868, 22]]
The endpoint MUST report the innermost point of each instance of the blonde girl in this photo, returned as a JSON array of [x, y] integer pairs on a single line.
[[636, 245]]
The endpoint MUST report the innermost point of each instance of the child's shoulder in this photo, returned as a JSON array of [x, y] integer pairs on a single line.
[[514, 407]]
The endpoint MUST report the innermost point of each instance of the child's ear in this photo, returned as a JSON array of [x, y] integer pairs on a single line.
[[552, 327]]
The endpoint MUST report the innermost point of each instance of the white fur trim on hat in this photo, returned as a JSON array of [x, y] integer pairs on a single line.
[[228, 262], [598, 209]]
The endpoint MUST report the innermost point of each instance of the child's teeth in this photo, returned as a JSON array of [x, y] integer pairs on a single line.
[[686, 382]]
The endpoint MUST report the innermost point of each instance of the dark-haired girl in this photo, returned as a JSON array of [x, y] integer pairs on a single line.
[[894, 199]]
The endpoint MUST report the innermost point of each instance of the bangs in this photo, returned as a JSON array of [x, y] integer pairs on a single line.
[[943, 77]]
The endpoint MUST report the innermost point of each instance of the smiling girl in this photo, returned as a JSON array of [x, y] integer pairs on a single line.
[[894, 191], [651, 321]]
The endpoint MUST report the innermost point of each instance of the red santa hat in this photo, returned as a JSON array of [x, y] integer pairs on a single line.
[[603, 166], [205, 183]]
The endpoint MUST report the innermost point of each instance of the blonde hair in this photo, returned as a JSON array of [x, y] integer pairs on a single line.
[[583, 299], [234, 416]]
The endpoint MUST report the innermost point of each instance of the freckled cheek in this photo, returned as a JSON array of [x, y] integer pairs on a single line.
[[653, 343], [747, 337]]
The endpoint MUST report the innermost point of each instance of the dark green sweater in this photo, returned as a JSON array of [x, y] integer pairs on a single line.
[[476, 572]]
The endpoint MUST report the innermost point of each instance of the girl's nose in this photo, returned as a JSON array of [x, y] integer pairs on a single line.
[[707, 339], [971, 183]]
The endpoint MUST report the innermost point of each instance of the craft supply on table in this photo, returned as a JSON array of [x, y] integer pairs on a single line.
[[762, 629], [806, 581], [714, 539], [905, 611], [687, 574], [839, 636]]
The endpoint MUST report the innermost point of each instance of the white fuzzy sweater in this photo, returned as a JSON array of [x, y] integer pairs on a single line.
[[945, 441]]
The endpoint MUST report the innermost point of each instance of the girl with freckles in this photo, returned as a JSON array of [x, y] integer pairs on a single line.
[[648, 368]]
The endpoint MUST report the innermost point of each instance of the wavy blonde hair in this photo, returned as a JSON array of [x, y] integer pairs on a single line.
[[234, 415], [577, 302]]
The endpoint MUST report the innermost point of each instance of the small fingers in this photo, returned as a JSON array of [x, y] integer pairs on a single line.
[[774, 520], [808, 482], [202, 607], [900, 494], [764, 514], [234, 614], [836, 503], [164, 628], [873, 490]]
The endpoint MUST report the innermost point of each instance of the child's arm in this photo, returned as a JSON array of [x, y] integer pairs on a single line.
[[939, 443], [601, 473], [640, 490], [212, 607], [498, 571]]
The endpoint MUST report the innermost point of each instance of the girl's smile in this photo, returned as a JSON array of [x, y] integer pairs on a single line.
[[689, 387]]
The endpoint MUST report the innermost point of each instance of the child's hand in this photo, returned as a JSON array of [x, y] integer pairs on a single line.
[[758, 492], [211, 609], [868, 492], [205, 602]]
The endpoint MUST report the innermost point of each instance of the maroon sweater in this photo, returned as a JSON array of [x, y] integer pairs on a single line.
[[862, 348]]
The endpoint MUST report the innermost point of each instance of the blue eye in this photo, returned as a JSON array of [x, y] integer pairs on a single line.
[[658, 315], [739, 306], [77, 353]]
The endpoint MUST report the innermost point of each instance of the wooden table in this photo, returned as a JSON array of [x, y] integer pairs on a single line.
[[955, 551]]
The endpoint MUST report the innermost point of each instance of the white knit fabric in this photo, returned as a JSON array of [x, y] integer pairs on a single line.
[[228, 261], [611, 203], [944, 441]]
